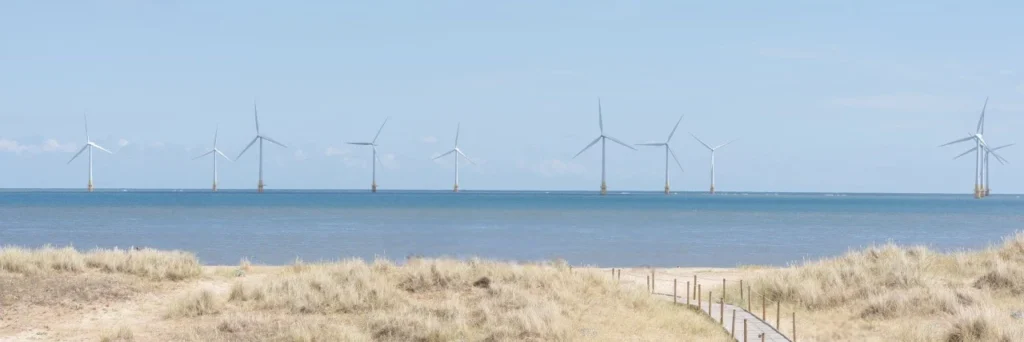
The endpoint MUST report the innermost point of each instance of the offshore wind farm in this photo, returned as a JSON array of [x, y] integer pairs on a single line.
[[786, 169], [981, 150]]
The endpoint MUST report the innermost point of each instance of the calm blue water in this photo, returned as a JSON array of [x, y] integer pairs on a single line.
[[686, 229]]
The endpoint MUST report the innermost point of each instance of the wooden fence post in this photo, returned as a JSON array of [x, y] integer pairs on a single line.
[[778, 314], [648, 283], [619, 274], [687, 293], [613, 273], [794, 326], [710, 301], [700, 295], [652, 280], [695, 290], [733, 323], [675, 287], [764, 308], [721, 311], [744, 330], [723, 289]]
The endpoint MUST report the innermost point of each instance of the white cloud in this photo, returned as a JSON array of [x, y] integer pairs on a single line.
[[335, 151], [52, 145], [300, 155], [430, 139], [389, 161], [49, 145], [122, 142], [13, 146]]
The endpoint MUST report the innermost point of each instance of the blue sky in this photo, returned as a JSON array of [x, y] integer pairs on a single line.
[[824, 96]]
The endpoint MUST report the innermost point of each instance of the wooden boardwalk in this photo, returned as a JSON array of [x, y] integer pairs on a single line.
[[756, 327]]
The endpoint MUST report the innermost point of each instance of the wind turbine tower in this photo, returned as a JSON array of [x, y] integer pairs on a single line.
[[668, 152], [215, 152], [259, 138], [981, 150], [712, 149], [458, 152], [602, 138], [89, 145], [373, 145]]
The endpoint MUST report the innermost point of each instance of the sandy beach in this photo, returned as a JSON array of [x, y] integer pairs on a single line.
[[48, 295], [882, 293]]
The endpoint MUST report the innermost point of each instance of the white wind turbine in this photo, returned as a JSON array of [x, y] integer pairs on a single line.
[[988, 188], [373, 145], [215, 151], [985, 166], [259, 138], [458, 152], [668, 152], [89, 145], [602, 138], [712, 149], [980, 149]]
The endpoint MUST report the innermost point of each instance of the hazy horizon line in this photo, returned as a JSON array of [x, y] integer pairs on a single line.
[[616, 192]]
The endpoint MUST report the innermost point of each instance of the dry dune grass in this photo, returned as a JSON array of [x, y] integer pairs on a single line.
[[437, 300], [65, 277], [905, 293], [148, 263]]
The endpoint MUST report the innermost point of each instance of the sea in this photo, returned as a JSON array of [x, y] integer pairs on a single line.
[[623, 229]]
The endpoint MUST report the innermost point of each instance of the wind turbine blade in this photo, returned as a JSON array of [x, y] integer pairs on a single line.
[[360, 143], [273, 141], [99, 147], [998, 157], [1002, 147], [651, 144], [457, 128], [256, 114], [223, 155], [204, 154], [377, 156], [443, 155], [701, 142], [957, 141], [600, 116], [216, 132], [253, 142], [981, 120], [966, 153], [79, 153], [588, 146], [464, 156], [86, 127], [723, 145], [620, 142], [674, 129], [674, 157], [381, 129]]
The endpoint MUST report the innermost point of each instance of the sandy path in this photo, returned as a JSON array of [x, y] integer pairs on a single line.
[[143, 314]]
